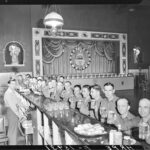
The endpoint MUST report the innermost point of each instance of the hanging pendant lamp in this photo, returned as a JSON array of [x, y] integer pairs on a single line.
[[54, 21]]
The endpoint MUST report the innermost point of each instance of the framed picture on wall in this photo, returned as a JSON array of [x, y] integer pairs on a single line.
[[13, 54]]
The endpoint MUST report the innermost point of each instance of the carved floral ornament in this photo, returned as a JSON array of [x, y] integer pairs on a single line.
[[80, 58]]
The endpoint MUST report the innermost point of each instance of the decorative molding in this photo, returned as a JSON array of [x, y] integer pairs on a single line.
[[39, 33], [80, 58], [136, 72], [76, 34]]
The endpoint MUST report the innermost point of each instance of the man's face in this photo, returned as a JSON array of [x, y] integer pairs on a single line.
[[144, 108], [67, 86], [93, 93], [61, 79], [85, 92], [77, 91], [122, 106], [20, 78], [54, 83], [108, 91], [59, 86], [12, 84]]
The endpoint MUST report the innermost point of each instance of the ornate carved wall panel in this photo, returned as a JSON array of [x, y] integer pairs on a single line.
[[74, 52]]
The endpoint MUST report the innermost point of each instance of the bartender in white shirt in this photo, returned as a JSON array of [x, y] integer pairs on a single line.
[[13, 115]]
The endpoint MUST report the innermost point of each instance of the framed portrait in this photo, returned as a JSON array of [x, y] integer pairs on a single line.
[[13, 54]]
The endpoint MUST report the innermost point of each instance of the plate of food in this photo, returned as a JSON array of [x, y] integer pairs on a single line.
[[90, 130], [128, 140]]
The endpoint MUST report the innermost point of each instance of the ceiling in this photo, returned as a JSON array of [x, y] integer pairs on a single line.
[[145, 3]]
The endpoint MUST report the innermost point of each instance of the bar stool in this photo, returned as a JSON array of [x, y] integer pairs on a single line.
[[3, 136], [28, 129]]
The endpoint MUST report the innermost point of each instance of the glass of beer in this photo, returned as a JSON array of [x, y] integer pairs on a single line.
[[143, 130], [110, 117], [79, 102], [103, 113], [93, 104]]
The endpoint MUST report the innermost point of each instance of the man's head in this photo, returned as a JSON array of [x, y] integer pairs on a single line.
[[77, 89], [68, 85], [12, 83], [144, 107], [109, 90], [86, 91], [95, 91], [60, 86], [61, 79], [123, 106]]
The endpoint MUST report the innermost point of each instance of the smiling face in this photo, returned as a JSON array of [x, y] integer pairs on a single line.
[[85, 92], [109, 91], [77, 91], [95, 93], [123, 106], [61, 79], [144, 108], [60, 86]]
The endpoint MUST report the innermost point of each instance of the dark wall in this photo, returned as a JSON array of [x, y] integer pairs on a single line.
[[101, 18], [16, 23], [139, 35]]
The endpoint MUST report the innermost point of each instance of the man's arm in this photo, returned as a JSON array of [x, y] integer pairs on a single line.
[[11, 101]]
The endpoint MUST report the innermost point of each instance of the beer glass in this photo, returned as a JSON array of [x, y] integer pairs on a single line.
[[79, 103], [143, 130], [103, 113], [93, 104], [110, 117]]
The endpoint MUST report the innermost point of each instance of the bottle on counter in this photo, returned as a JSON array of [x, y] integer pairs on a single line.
[[111, 137], [118, 136], [143, 130]]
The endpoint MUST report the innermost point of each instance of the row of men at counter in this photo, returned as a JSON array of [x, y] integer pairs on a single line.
[[94, 101]]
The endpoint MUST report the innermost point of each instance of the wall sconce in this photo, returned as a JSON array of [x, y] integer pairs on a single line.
[[53, 20], [136, 52]]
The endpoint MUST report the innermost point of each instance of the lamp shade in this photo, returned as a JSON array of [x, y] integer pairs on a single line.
[[53, 20]]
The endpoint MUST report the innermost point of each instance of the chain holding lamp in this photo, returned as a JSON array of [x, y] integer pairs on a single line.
[[53, 21]]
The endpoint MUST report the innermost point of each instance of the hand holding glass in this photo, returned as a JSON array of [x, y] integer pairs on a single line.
[[103, 113], [93, 104], [111, 117]]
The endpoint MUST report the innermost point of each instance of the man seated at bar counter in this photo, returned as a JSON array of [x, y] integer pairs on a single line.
[[144, 111], [131, 121], [109, 103], [96, 96], [125, 117]]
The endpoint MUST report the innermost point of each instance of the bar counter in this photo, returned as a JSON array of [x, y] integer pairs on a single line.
[[57, 127], [66, 120]]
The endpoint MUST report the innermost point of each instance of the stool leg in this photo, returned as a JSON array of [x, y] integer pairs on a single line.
[[26, 138]]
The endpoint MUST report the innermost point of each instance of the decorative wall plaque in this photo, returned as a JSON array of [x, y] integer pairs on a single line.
[[14, 54], [80, 58]]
